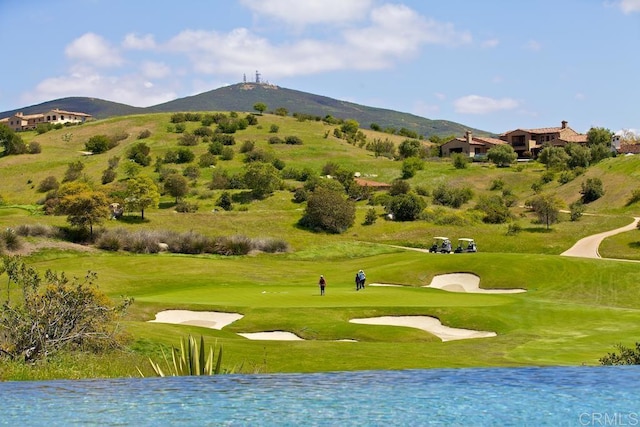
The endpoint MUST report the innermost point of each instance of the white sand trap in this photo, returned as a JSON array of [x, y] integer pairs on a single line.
[[466, 282], [275, 335], [385, 284], [426, 323], [207, 319]]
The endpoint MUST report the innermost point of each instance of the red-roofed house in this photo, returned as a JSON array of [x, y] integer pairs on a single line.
[[472, 146], [531, 141]]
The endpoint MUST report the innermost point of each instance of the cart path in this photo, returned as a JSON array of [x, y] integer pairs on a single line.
[[587, 247]]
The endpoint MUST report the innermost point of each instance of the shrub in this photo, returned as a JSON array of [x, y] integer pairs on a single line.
[[513, 229], [224, 139], [328, 210], [203, 131], [406, 207], [48, 184], [207, 160], [186, 207], [188, 140], [494, 208], [227, 153], [224, 201], [271, 245], [234, 245], [293, 140], [410, 166], [275, 140], [460, 161], [34, 147], [399, 186], [274, 128], [139, 153], [451, 196], [108, 175], [247, 146], [40, 230], [576, 208], [144, 134], [634, 198], [625, 356], [74, 171], [192, 172], [547, 177], [300, 195], [10, 239], [97, 144], [496, 184], [592, 190], [371, 217]]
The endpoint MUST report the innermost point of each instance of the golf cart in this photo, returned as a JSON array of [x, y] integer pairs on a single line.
[[466, 245], [441, 244]]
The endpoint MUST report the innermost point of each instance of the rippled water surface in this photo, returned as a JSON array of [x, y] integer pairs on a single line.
[[595, 396]]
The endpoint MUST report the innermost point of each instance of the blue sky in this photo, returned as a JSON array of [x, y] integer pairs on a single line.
[[495, 65]]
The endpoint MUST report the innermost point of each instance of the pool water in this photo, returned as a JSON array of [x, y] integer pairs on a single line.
[[581, 396]]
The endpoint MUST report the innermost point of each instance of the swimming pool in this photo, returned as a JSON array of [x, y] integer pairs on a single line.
[[593, 396]]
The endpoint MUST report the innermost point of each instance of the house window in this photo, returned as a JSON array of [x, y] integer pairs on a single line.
[[61, 117], [54, 118]]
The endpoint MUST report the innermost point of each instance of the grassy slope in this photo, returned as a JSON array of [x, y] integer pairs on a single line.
[[573, 312]]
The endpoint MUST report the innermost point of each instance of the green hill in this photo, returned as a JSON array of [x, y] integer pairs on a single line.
[[242, 97]]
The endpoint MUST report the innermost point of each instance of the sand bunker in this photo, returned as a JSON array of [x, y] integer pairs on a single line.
[[217, 320], [426, 323], [275, 335], [207, 319], [466, 282]]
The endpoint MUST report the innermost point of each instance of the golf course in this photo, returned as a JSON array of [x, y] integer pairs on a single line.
[[561, 308]]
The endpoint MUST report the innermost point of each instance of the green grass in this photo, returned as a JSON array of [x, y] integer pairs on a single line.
[[573, 312]]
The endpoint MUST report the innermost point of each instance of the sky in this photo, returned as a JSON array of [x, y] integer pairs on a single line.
[[494, 65]]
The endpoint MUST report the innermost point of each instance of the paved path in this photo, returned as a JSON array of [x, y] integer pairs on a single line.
[[588, 246]]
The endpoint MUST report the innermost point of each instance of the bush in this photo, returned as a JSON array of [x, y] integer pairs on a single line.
[[276, 140], [274, 128], [207, 160], [371, 217], [48, 184], [410, 166], [625, 356], [460, 161], [140, 153], [144, 134], [108, 175], [224, 201], [34, 147], [227, 153], [496, 184], [97, 144], [186, 207], [247, 146], [634, 198], [10, 239], [494, 208], [328, 210], [300, 195], [406, 207], [293, 140], [451, 196], [188, 140], [513, 229], [577, 209], [592, 190]]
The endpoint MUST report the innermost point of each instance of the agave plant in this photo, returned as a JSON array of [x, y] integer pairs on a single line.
[[189, 359]]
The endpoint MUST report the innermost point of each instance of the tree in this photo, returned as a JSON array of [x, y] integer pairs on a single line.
[[328, 210], [547, 207], [579, 156], [141, 193], [176, 185], [591, 190], [410, 148], [97, 144], [56, 313], [502, 155], [262, 178], [224, 201], [260, 107], [139, 153], [410, 166], [10, 141], [406, 207], [74, 171], [83, 206], [599, 136], [553, 157], [350, 127]]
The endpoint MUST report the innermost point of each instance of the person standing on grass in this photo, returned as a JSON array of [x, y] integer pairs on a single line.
[[360, 279], [322, 284]]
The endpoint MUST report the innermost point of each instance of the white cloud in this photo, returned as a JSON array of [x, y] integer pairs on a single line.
[[630, 6], [474, 104], [301, 13], [93, 49], [533, 45], [134, 42], [132, 89], [393, 32], [154, 70], [490, 43]]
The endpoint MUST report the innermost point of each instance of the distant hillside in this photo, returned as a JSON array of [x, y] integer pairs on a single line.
[[243, 96], [98, 108]]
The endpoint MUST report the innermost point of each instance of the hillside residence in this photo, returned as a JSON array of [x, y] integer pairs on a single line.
[[626, 141], [528, 142], [472, 146], [20, 122]]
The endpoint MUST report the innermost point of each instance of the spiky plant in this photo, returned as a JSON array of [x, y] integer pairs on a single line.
[[189, 359]]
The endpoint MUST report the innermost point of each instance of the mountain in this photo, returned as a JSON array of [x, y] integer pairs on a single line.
[[243, 96]]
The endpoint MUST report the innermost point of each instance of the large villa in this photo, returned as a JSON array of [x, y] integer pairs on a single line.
[[20, 122]]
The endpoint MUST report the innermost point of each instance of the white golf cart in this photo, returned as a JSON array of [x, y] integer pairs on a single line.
[[441, 245], [466, 245]]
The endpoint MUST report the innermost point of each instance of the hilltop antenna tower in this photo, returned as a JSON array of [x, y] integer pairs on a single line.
[[244, 78], [257, 77]]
